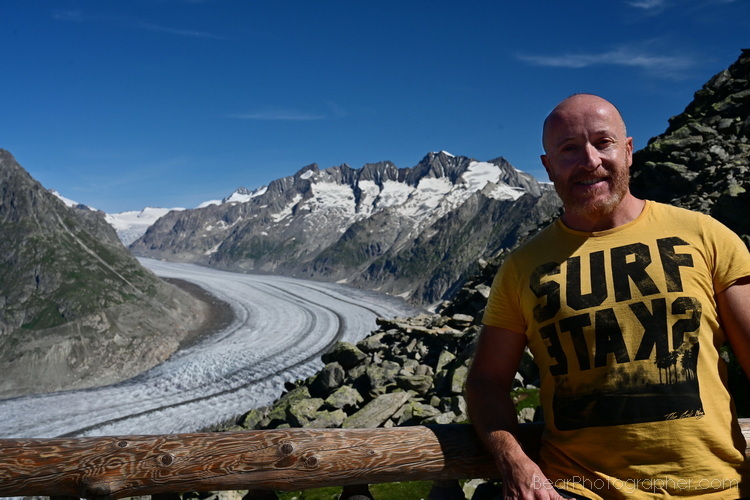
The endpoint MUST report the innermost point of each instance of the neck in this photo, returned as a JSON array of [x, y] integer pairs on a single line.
[[626, 211]]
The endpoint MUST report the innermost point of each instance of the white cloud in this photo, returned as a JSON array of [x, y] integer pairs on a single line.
[[667, 66], [177, 31], [75, 16], [648, 4], [278, 115], [79, 17], [657, 6]]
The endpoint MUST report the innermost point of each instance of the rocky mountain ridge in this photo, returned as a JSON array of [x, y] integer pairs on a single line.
[[133, 224], [76, 309], [415, 232], [701, 161]]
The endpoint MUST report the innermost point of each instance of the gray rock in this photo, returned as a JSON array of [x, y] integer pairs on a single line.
[[424, 370], [302, 412], [445, 358], [377, 411], [458, 379], [379, 377], [420, 384], [409, 367], [461, 321], [252, 418], [344, 398], [327, 380], [327, 419], [371, 343], [279, 412], [345, 354], [708, 140], [442, 418]]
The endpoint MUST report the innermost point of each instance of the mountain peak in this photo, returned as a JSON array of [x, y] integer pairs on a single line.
[[242, 195], [335, 224], [307, 171]]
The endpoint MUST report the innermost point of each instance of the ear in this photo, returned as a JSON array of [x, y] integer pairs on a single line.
[[545, 162], [629, 150]]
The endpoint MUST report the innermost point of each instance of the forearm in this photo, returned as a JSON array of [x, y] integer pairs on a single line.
[[494, 419], [493, 414]]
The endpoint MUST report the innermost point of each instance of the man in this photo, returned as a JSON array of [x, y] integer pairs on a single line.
[[624, 304]]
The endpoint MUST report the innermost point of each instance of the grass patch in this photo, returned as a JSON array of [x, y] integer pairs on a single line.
[[384, 491], [525, 398]]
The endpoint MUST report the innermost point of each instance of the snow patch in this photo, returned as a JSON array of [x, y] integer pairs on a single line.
[[286, 211], [505, 192], [68, 202], [133, 224], [393, 193], [479, 173], [213, 250], [242, 195], [331, 195]]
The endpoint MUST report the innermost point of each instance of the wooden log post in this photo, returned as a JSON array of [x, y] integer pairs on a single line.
[[281, 459], [284, 459]]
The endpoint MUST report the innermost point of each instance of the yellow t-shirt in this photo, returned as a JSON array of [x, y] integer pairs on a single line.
[[624, 328]]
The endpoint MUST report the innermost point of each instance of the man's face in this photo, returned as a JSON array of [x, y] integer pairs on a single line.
[[588, 156]]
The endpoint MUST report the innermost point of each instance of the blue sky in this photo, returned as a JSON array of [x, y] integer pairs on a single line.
[[132, 103]]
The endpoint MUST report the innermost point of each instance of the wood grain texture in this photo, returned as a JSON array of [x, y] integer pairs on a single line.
[[283, 459], [288, 459]]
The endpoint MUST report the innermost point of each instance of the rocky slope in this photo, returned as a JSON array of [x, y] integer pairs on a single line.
[[414, 232], [701, 161], [76, 309]]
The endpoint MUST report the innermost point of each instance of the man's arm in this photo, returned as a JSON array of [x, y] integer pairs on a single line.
[[493, 414], [734, 314]]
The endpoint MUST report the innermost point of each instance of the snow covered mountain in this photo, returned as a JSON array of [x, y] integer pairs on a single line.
[[129, 225], [414, 232], [133, 224]]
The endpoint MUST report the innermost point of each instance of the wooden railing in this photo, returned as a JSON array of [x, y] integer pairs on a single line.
[[259, 461]]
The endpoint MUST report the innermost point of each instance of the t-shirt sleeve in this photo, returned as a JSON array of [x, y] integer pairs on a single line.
[[731, 256], [504, 303]]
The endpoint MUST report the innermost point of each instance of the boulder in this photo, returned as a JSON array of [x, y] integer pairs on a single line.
[[371, 343], [345, 354], [344, 398], [328, 419], [420, 384], [377, 411], [304, 411], [327, 380], [380, 376]]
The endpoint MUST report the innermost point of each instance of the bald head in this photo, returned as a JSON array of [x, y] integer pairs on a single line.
[[577, 105]]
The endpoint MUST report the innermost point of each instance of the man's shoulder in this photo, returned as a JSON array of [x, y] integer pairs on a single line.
[[662, 211], [541, 239], [665, 208]]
